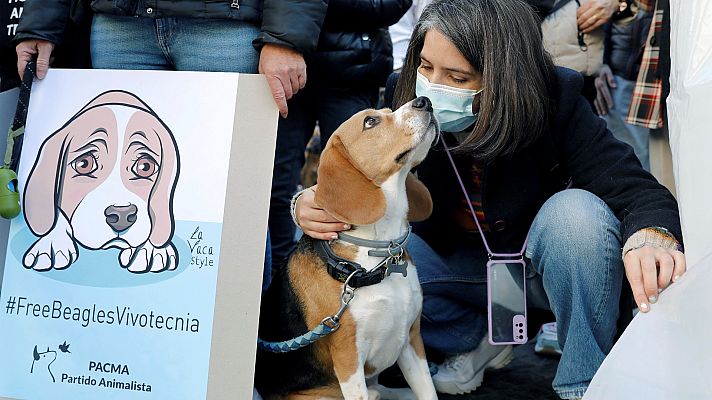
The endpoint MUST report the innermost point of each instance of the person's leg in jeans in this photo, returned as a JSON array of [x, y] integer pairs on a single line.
[[293, 134], [454, 317], [575, 245], [218, 45], [184, 44], [126, 43], [636, 136]]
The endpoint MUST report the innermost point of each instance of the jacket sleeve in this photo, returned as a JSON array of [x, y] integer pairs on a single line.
[[364, 15], [42, 19], [608, 168], [292, 23]]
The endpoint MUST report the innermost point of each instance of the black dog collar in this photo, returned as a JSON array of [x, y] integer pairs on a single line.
[[341, 268]]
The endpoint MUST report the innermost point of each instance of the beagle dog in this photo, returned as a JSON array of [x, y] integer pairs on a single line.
[[105, 179], [363, 179]]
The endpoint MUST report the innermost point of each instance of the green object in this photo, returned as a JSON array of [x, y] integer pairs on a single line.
[[11, 135], [9, 196]]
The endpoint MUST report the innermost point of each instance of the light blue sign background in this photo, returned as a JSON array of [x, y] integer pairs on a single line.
[[173, 362]]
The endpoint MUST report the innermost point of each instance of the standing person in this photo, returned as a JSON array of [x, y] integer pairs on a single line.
[[269, 36], [352, 61], [648, 105], [625, 41], [536, 162], [402, 30], [573, 35]]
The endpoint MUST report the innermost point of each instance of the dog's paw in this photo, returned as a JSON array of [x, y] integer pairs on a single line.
[[149, 258], [164, 258], [55, 250]]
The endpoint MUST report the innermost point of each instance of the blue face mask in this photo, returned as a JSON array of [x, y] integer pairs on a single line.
[[452, 107]]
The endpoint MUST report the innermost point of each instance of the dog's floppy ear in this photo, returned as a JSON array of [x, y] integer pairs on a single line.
[[420, 204], [160, 202], [344, 191], [41, 195]]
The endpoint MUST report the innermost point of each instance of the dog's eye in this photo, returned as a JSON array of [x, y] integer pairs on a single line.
[[85, 164], [145, 167], [370, 122]]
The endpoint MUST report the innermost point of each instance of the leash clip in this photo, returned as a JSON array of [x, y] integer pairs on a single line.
[[331, 323], [346, 297], [334, 322]]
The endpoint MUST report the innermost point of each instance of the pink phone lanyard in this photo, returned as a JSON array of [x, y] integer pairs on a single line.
[[490, 253]]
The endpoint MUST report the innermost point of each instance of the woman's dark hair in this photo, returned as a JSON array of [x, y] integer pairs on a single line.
[[502, 40]]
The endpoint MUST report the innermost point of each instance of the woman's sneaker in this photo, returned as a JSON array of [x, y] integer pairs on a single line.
[[462, 373]]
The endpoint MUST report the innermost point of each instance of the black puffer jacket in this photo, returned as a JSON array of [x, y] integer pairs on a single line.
[[355, 49], [292, 23], [72, 51]]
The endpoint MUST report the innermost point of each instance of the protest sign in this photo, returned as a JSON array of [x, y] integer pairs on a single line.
[[134, 271]]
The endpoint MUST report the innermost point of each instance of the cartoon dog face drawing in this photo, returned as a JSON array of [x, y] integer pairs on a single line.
[[105, 179]]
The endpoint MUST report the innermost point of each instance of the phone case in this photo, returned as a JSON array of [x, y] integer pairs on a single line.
[[497, 313]]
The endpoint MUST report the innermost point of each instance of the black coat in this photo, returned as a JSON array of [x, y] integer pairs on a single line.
[[292, 23], [355, 49], [60, 21], [578, 148]]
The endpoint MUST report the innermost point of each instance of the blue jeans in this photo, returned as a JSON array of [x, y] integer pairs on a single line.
[[574, 269], [636, 136], [182, 44]]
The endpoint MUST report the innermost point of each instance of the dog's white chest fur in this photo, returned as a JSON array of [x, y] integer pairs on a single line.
[[384, 314]]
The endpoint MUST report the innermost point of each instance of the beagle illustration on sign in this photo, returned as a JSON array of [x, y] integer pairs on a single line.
[[105, 179]]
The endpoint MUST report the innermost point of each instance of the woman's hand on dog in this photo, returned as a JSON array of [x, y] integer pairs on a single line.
[[314, 221]]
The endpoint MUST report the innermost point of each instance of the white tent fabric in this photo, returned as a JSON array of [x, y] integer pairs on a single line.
[[667, 353], [690, 121]]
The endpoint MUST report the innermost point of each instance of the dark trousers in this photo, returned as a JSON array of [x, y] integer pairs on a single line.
[[330, 107]]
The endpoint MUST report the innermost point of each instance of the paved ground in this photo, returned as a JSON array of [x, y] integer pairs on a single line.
[[527, 377]]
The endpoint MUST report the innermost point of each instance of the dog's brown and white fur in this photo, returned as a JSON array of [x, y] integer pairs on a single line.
[[363, 175]]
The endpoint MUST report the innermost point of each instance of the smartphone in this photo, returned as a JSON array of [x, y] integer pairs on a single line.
[[507, 302]]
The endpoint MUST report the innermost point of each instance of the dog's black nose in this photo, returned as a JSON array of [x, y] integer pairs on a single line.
[[120, 218], [423, 103]]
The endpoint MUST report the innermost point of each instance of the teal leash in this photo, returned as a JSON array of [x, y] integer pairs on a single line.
[[326, 326], [298, 342]]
